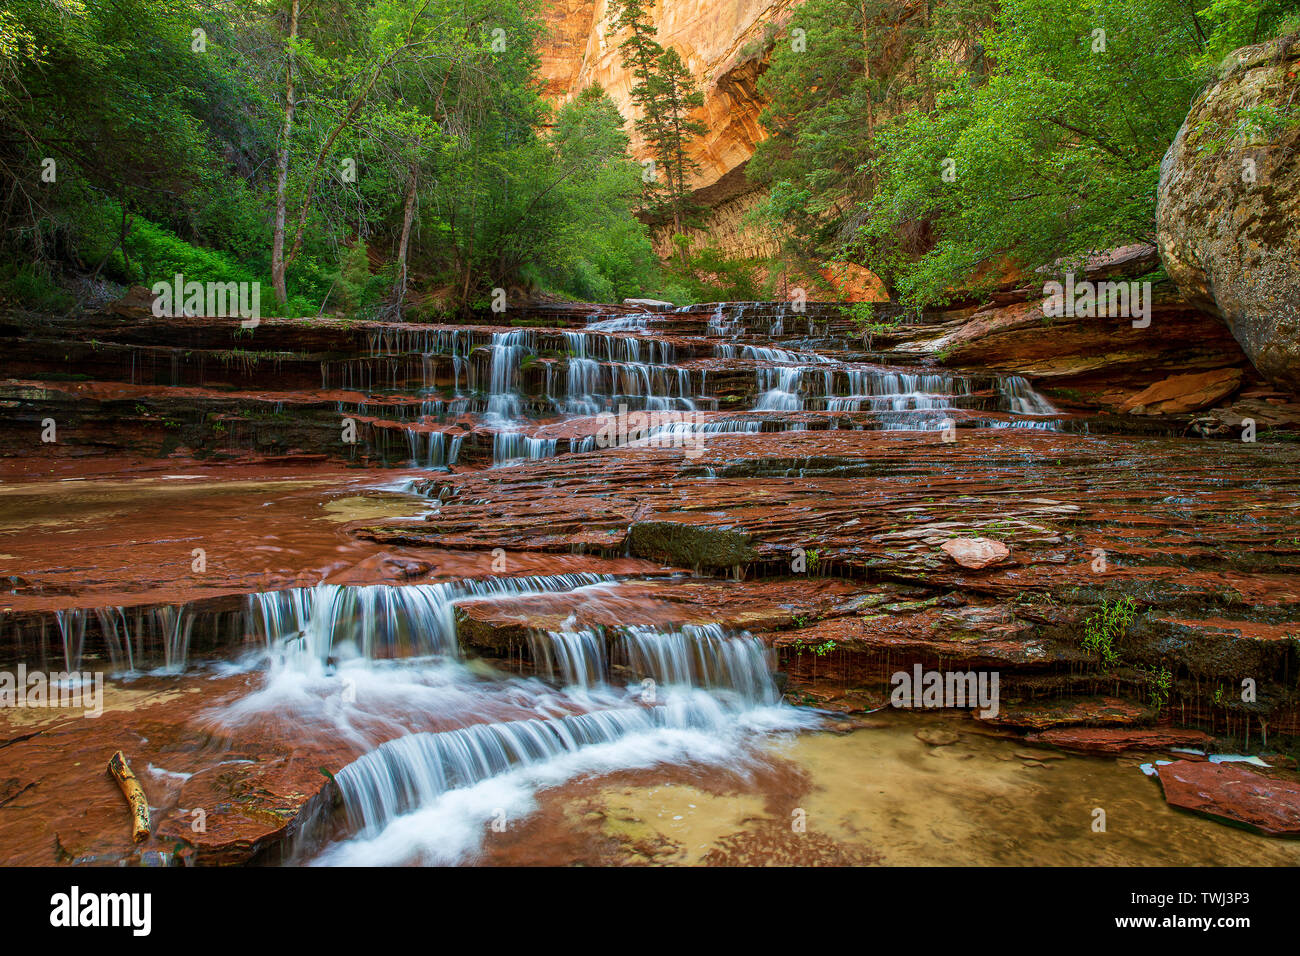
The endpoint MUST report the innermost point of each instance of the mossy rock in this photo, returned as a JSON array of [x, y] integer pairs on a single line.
[[690, 546]]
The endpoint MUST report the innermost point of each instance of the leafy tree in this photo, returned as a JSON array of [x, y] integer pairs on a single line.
[[840, 69], [349, 152], [950, 145], [1054, 154]]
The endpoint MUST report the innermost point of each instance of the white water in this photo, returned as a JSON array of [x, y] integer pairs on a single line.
[[446, 747], [615, 361]]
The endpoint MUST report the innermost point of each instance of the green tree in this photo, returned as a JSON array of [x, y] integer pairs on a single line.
[[665, 95], [1053, 155]]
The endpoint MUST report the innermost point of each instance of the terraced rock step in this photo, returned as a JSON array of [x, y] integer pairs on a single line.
[[610, 530]]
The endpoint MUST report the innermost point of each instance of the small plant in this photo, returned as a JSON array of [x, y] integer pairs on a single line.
[[821, 650], [1159, 681], [1104, 628], [863, 316]]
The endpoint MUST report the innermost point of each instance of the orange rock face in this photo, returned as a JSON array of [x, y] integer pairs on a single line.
[[720, 40]]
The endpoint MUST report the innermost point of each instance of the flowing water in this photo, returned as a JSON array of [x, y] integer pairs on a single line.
[[507, 383], [650, 739]]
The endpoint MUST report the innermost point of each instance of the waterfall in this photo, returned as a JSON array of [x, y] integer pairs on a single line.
[[512, 447], [1023, 399], [308, 627], [433, 449], [507, 356], [414, 771], [705, 681], [134, 638], [699, 656]]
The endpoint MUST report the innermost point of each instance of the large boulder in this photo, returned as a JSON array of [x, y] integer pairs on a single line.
[[1228, 207]]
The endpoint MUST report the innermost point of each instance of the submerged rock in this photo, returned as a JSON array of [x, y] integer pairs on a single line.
[[936, 738], [1228, 210], [1230, 792]]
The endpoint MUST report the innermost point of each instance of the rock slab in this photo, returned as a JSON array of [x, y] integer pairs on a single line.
[[1230, 792]]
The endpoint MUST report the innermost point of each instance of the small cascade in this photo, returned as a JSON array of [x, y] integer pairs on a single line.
[[155, 637], [512, 447], [702, 656], [507, 355], [635, 322], [433, 450], [697, 656], [414, 771], [572, 658], [693, 680], [309, 628], [725, 325], [882, 390], [759, 353], [1023, 399], [782, 389]]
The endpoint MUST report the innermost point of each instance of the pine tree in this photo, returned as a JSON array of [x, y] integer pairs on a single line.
[[665, 94]]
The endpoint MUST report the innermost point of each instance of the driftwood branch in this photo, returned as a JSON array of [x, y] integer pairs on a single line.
[[134, 796]]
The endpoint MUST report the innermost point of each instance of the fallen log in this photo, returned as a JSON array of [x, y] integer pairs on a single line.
[[134, 796]]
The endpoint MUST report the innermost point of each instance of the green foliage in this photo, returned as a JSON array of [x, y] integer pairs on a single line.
[[420, 119], [29, 285], [593, 246], [664, 94], [709, 275], [1159, 682], [1103, 629], [821, 650], [868, 325], [942, 152], [827, 91]]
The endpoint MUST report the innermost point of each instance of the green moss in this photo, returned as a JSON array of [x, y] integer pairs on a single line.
[[687, 545]]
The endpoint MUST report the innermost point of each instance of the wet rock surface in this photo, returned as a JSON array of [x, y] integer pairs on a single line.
[[501, 527], [1232, 792]]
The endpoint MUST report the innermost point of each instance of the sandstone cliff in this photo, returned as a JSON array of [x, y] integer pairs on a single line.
[[723, 43]]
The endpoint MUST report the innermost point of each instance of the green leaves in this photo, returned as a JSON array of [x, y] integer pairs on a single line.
[[951, 155]]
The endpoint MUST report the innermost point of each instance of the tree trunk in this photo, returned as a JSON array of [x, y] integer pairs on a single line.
[[866, 75], [282, 169], [408, 216]]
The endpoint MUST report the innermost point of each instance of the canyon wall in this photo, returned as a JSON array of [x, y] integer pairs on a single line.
[[722, 41]]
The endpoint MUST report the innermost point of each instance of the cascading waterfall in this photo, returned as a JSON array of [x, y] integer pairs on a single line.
[[633, 695], [1023, 399], [134, 638], [698, 681], [310, 627], [703, 656], [415, 771], [433, 449], [507, 356], [615, 361]]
